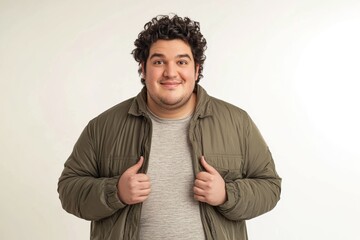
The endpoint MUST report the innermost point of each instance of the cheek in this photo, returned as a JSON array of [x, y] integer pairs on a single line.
[[153, 72], [150, 74], [190, 74]]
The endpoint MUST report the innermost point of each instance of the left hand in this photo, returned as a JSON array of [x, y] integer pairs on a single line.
[[209, 186]]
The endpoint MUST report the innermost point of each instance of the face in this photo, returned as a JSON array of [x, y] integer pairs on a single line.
[[170, 78]]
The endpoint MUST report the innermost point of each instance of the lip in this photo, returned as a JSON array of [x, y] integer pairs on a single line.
[[170, 84]]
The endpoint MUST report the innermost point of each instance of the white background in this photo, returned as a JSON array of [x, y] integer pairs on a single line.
[[294, 66]]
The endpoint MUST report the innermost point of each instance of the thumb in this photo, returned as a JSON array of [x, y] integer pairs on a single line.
[[207, 167], [136, 167]]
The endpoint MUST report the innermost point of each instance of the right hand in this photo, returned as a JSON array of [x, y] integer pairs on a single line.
[[134, 187]]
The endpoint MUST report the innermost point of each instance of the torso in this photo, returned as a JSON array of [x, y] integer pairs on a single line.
[[170, 212]]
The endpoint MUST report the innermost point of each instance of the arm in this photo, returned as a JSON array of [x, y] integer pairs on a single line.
[[82, 192], [259, 189]]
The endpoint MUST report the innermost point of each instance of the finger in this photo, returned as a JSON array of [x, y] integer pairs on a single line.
[[135, 168], [144, 185], [142, 198], [143, 192], [207, 167], [204, 176], [201, 184], [138, 199], [141, 177], [139, 191], [199, 198], [135, 184], [199, 191]]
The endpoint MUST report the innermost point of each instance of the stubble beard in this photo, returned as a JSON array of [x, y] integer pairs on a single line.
[[171, 105]]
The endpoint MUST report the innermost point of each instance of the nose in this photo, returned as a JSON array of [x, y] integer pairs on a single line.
[[170, 70]]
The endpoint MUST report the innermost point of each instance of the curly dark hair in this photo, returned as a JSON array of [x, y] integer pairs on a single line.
[[168, 28]]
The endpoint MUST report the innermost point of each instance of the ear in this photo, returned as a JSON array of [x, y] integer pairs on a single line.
[[197, 68], [143, 70]]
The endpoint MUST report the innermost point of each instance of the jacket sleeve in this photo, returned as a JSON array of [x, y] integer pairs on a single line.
[[81, 191], [259, 190]]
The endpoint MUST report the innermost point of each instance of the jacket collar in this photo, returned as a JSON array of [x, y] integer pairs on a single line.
[[203, 104], [138, 106]]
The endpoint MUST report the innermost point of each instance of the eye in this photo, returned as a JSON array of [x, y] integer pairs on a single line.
[[182, 62], [158, 62]]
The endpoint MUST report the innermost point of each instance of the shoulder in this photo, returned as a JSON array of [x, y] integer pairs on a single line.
[[222, 108], [212, 106], [113, 114]]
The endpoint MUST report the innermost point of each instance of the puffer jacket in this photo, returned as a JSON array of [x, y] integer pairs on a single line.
[[114, 141]]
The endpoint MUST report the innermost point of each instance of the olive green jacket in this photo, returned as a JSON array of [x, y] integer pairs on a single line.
[[114, 141]]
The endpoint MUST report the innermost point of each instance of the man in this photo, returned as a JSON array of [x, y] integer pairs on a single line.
[[172, 162]]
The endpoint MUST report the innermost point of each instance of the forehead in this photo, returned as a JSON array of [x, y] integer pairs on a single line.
[[170, 48]]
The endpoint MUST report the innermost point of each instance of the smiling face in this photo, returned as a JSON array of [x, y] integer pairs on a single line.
[[170, 79]]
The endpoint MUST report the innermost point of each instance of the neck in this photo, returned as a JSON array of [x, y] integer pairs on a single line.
[[175, 112]]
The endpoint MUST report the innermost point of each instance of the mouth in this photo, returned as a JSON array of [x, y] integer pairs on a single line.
[[170, 84]]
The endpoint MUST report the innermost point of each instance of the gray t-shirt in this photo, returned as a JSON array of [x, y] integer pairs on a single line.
[[170, 212]]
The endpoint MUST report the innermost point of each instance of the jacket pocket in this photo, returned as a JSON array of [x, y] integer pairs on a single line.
[[229, 166]]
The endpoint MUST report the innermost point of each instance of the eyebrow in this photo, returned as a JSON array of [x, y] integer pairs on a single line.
[[177, 56]]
